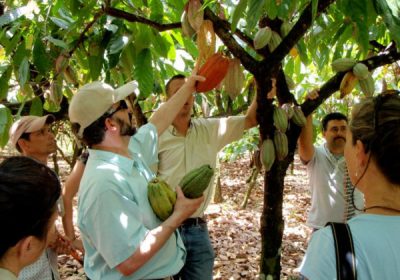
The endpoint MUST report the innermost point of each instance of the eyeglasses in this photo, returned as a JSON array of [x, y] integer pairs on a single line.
[[121, 106]]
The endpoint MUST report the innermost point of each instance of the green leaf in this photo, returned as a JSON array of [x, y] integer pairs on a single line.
[[238, 14], [4, 82], [314, 9], [95, 66], [256, 8], [390, 11], [40, 57], [23, 71], [157, 10], [36, 107], [143, 73], [57, 42], [272, 10], [63, 24], [5, 124], [12, 15]]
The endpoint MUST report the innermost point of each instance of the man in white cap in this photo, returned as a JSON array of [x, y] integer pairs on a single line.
[[32, 137], [122, 237]]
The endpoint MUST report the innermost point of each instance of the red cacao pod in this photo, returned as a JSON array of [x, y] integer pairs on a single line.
[[214, 70]]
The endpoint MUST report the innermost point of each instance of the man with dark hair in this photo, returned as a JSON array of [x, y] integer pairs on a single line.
[[187, 144], [122, 237], [32, 136], [332, 194]]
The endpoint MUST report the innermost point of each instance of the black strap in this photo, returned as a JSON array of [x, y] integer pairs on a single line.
[[345, 254]]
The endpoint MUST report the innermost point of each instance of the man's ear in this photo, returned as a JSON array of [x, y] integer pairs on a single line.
[[23, 144], [110, 124]]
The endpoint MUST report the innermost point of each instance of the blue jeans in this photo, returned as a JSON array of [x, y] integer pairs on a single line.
[[200, 254]]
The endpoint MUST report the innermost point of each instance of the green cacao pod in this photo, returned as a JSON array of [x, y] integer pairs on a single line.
[[262, 37], [367, 85], [360, 70], [196, 181], [343, 64], [280, 119], [267, 154], [281, 145], [288, 109], [162, 199], [298, 116], [275, 41]]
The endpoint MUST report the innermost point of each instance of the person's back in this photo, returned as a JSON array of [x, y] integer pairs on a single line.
[[372, 155]]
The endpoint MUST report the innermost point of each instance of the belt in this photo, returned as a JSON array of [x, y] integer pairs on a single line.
[[193, 222]]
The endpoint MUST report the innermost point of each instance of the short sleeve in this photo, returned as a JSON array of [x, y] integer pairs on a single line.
[[320, 261], [145, 142], [118, 229]]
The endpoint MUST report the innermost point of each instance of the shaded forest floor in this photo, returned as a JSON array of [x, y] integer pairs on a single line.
[[235, 232]]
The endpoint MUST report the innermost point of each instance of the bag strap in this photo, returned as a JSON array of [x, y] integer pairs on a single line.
[[345, 254]]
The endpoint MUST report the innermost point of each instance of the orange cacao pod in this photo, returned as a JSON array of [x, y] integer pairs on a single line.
[[214, 70]]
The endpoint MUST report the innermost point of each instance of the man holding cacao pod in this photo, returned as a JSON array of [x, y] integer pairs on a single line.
[[188, 144], [122, 237], [332, 196]]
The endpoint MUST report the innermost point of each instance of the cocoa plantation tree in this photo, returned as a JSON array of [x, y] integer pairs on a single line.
[[50, 48]]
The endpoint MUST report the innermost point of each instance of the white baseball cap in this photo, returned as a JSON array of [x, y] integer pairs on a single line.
[[28, 124], [92, 100]]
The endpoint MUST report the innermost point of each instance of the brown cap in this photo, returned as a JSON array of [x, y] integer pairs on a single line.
[[28, 124]]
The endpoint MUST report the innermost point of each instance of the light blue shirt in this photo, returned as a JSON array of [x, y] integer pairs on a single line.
[[114, 214], [376, 241]]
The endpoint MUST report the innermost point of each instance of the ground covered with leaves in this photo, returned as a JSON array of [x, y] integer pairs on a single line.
[[235, 232]]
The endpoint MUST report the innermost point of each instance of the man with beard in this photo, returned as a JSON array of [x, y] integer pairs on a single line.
[[332, 195], [122, 237], [32, 137]]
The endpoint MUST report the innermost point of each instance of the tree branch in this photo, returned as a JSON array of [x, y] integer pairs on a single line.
[[295, 34], [134, 18], [222, 29], [333, 84]]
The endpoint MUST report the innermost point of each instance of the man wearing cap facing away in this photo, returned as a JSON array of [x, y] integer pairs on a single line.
[[32, 137], [122, 237]]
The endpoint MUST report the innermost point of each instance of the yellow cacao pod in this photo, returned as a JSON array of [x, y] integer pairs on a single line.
[[347, 84], [267, 154], [280, 119], [234, 79], [206, 40], [343, 64], [195, 14], [187, 29], [281, 145], [162, 199], [298, 116], [368, 86], [360, 70], [262, 37]]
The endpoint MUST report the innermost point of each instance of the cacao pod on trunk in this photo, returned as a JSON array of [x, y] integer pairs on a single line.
[[262, 37], [267, 154], [206, 40], [214, 70], [281, 145], [368, 86], [280, 119], [298, 116]]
